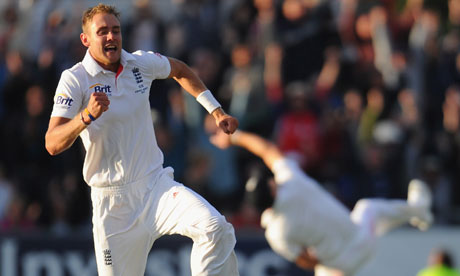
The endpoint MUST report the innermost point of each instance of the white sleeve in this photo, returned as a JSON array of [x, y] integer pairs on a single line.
[[158, 65], [285, 169], [68, 98]]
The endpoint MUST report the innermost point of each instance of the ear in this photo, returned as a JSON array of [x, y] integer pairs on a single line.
[[84, 39]]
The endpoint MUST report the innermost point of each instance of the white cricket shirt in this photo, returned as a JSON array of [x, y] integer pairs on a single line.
[[120, 145], [305, 215]]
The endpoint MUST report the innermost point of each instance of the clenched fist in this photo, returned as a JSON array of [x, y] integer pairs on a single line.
[[98, 104], [227, 123]]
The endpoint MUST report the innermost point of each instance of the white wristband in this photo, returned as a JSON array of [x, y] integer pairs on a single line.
[[207, 100]]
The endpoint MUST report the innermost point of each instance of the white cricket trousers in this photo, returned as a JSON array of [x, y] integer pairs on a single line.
[[128, 219], [375, 217]]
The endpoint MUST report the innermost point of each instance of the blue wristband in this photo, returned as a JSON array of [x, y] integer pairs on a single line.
[[91, 117]]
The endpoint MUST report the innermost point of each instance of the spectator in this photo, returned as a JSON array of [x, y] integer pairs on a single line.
[[440, 263], [298, 130]]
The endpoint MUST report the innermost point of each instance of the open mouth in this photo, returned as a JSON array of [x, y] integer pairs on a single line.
[[110, 48]]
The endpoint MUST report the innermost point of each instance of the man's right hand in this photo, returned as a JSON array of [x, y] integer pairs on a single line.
[[98, 104]]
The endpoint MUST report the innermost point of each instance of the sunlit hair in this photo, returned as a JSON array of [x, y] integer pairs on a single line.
[[101, 8]]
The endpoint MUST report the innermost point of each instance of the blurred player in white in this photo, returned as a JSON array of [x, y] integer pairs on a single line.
[[308, 226], [105, 100]]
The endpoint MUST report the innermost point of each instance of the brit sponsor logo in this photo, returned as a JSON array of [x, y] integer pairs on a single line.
[[99, 87], [63, 100]]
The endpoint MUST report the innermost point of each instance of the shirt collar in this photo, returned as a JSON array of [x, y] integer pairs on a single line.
[[93, 68]]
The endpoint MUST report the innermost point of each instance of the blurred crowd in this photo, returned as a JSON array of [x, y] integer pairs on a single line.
[[365, 94]]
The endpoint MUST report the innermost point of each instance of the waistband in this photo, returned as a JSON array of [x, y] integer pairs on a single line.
[[148, 180]]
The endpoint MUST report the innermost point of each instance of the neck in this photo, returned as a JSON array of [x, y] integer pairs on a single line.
[[107, 66], [111, 66]]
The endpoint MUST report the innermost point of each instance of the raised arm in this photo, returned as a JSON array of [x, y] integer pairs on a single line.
[[257, 145], [191, 83]]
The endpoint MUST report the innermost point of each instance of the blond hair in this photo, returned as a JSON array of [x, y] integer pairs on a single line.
[[100, 8]]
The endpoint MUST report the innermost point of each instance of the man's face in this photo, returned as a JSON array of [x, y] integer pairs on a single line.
[[102, 36]]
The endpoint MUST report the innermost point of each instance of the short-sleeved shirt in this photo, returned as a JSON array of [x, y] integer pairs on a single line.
[[304, 215], [120, 145]]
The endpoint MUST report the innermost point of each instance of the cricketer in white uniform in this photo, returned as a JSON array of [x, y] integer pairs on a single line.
[[308, 226], [105, 100]]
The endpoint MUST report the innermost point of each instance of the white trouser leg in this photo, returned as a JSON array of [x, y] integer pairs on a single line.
[[182, 211], [379, 216], [121, 243], [211, 254]]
